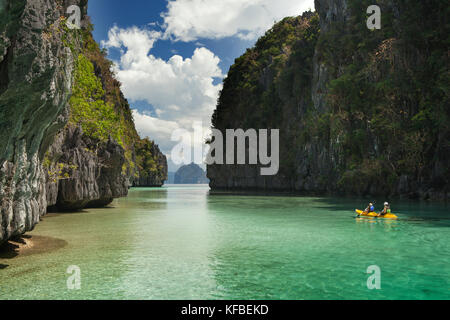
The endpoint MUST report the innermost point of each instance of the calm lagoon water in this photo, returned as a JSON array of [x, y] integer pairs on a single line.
[[181, 242]]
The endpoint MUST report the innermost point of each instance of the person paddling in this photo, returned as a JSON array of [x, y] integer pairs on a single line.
[[370, 208], [386, 210]]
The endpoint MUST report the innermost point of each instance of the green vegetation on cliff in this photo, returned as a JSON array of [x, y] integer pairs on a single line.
[[269, 80], [389, 94], [99, 107], [148, 160], [10, 13], [281, 62], [359, 111], [88, 107]]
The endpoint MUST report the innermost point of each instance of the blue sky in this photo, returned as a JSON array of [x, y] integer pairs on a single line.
[[171, 56], [107, 13]]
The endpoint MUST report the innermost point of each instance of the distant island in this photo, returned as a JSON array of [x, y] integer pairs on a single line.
[[189, 174]]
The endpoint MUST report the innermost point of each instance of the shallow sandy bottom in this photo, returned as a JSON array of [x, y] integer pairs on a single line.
[[28, 245]]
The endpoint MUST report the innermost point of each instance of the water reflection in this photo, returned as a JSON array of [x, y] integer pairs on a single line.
[[149, 199], [315, 248], [387, 224], [169, 258], [180, 242]]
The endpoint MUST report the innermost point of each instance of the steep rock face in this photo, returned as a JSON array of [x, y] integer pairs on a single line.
[[84, 173], [56, 82], [96, 157], [35, 82], [319, 158], [332, 11], [152, 170], [269, 87], [382, 90], [91, 168], [367, 113]]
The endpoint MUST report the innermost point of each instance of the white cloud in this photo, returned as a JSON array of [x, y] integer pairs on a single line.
[[161, 131], [137, 41], [155, 128], [179, 89], [190, 20], [182, 91]]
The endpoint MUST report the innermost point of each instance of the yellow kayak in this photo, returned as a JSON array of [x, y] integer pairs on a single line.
[[375, 215]]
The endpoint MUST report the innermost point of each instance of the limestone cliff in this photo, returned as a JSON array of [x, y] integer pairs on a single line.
[[83, 172], [151, 165], [35, 81], [97, 156], [56, 82], [269, 87], [360, 112]]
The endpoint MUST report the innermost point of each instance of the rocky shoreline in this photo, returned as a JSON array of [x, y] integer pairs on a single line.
[[51, 156]]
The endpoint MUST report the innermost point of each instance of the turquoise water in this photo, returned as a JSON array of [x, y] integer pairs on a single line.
[[183, 243]]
